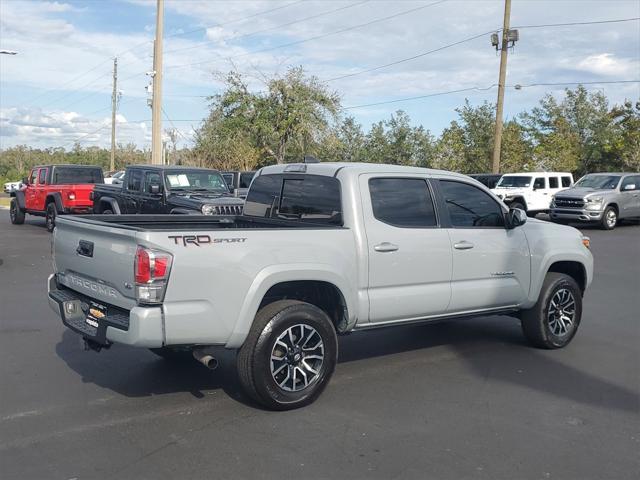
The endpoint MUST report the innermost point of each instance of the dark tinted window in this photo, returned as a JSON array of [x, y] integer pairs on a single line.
[[469, 206], [135, 180], [245, 179], [228, 179], [42, 174], [151, 178], [566, 181], [402, 202], [553, 182], [71, 175], [539, 183], [310, 198]]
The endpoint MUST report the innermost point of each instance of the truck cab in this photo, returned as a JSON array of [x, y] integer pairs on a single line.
[[52, 190]]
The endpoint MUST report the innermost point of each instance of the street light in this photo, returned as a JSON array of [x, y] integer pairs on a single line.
[[8, 52]]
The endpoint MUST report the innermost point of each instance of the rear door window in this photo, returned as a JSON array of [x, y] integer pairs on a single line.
[[402, 202], [566, 182], [553, 182]]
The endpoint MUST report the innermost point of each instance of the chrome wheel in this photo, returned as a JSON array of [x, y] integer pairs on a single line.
[[562, 312], [611, 218], [296, 358]]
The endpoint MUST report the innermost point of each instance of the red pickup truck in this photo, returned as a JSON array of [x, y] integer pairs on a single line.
[[53, 190]]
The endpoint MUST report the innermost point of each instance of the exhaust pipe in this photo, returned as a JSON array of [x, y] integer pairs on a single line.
[[206, 359]]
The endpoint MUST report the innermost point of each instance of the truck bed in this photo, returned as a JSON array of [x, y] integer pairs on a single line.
[[169, 222]]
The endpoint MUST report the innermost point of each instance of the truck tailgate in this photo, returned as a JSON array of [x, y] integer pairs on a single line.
[[96, 260]]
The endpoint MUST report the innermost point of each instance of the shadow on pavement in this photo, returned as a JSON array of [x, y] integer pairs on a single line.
[[492, 347]]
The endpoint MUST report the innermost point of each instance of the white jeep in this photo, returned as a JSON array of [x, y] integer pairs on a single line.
[[532, 191]]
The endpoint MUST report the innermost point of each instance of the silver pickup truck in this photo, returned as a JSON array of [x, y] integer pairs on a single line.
[[603, 198], [321, 250]]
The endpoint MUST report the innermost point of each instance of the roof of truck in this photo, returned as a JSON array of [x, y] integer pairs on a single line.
[[332, 169], [529, 174], [170, 167], [75, 165]]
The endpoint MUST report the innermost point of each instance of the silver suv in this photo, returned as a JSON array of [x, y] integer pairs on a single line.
[[603, 198]]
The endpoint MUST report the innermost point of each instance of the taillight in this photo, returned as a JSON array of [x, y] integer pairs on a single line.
[[151, 271], [71, 195]]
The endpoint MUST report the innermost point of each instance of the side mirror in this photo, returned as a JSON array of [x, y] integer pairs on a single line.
[[629, 186], [155, 189], [515, 218]]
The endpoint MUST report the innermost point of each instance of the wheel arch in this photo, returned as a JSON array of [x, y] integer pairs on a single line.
[[319, 286], [109, 202], [56, 198], [19, 196], [574, 269]]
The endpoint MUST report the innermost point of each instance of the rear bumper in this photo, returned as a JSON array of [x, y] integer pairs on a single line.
[[576, 215], [140, 326]]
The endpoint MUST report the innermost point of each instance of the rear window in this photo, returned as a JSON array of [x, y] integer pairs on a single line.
[[310, 198], [71, 175], [553, 182]]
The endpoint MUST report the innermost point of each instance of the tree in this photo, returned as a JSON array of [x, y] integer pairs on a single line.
[[627, 145], [295, 111]]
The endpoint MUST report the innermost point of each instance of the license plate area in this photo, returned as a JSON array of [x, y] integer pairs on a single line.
[[95, 314]]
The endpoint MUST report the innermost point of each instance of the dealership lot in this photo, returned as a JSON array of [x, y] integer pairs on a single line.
[[467, 399]]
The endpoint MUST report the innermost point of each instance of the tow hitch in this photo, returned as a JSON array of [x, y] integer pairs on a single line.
[[88, 344]]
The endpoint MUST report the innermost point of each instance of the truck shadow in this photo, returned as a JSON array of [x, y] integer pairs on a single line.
[[491, 347]]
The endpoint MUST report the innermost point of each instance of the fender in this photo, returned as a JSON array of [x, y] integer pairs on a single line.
[[537, 277], [274, 274], [57, 199], [112, 202], [19, 196]]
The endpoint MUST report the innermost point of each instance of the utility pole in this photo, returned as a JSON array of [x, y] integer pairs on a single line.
[[114, 106], [156, 109], [506, 38]]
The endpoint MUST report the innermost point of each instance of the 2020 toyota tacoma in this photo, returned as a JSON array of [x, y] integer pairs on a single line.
[[321, 250]]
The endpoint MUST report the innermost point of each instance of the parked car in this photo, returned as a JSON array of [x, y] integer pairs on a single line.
[[12, 186], [531, 191], [238, 182], [321, 249], [155, 189], [115, 178], [53, 190], [603, 198], [489, 180]]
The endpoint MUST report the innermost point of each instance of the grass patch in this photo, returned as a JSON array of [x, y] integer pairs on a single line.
[[4, 201]]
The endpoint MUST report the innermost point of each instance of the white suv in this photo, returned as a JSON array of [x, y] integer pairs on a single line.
[[532, 191]]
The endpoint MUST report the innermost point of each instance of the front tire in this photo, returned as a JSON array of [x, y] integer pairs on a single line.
[[609, 218], [16, 215], [50, 217], [554, 319], [289, 355]]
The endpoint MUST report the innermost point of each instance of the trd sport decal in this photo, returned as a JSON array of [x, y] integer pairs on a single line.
[[198, 240]]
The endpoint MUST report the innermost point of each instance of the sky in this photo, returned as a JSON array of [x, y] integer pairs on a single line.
[[57, 90]]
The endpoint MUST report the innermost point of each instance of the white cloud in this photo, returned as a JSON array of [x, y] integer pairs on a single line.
[[608, 64]]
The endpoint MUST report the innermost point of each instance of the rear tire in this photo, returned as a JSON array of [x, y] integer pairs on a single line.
[[554, 320], [16, 215], [609, 219], [289, 355], [50, 217]]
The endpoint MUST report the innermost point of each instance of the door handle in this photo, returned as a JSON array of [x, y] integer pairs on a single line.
[[386, 247], [463, 245]]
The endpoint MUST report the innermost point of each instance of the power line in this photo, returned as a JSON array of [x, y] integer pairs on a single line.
[[469, 89], [570, 24], [317, 37], [429, 52], [173, 125], [257, 32], [237, 20]]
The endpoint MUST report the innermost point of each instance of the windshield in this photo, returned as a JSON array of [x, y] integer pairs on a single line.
[[600, 182], [510, 181], [195, 181]]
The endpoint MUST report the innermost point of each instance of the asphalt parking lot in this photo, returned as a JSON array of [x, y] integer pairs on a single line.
[[465, 399]]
